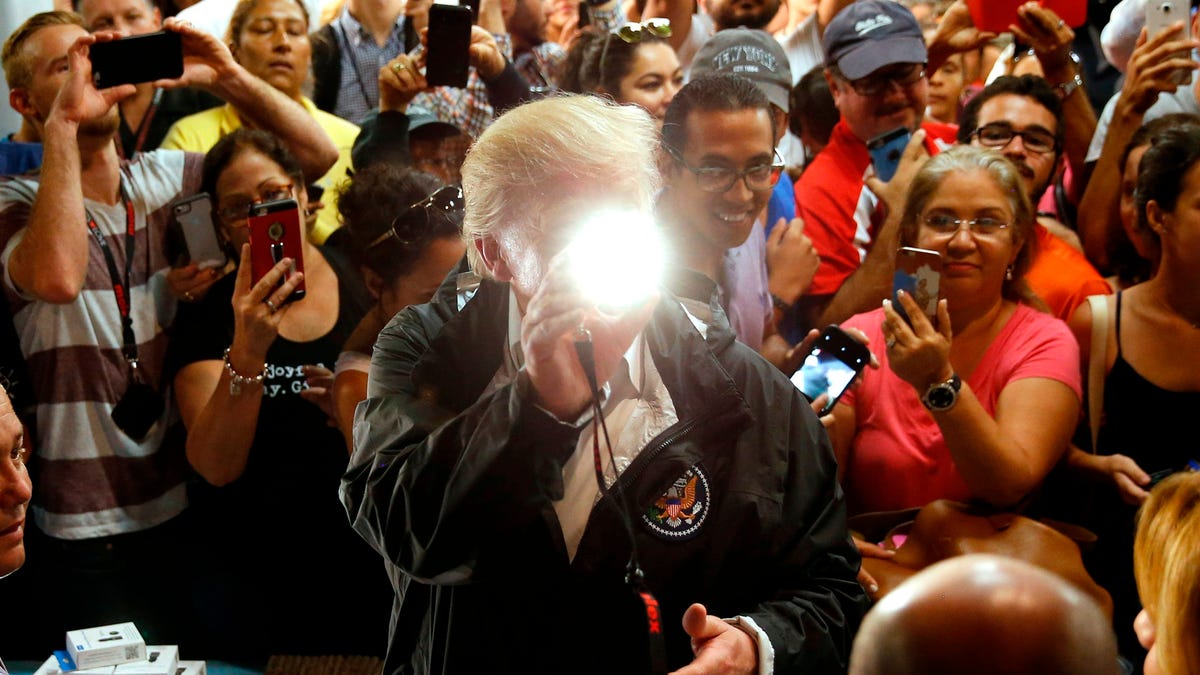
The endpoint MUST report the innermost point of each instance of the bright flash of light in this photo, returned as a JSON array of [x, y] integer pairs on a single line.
[[617, 258]]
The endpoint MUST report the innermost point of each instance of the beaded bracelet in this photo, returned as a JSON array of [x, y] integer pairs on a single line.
[[236, 380]]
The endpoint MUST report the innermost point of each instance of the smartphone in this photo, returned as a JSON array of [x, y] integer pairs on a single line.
[[886, 150], [585, 14], [918, 273], [195, 218], [996, 16], [136, 59], [1160, 14], [275, 235], [446, 59], [835, 361]]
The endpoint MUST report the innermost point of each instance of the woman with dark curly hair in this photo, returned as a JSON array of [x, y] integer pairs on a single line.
[[403, 229]]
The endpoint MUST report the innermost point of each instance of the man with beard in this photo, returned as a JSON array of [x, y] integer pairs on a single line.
[[83, 266], [691, 29], [1022, 117]]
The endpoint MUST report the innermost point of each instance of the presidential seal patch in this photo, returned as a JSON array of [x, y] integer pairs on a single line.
[[678, 514]]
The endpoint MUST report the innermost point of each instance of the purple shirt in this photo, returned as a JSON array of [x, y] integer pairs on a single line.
[[745, 294]]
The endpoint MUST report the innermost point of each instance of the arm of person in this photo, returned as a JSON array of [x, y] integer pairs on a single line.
[[1003, 459], [872, 280], [1147, 75], [350, 372], [51, 259], [678, 12], [209, 65], [826, 10], [220, 424], [1051, 41], [956, 34]]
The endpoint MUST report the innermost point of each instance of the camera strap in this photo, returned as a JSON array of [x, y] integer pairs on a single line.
[[120, 283], [634, 577]]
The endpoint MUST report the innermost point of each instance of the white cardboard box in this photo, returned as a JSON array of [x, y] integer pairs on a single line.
[[106, 646], [160, 660], [192, 668]]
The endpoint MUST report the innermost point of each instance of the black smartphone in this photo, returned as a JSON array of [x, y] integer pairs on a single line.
[[835, 361], [136, 59], [585, 14], [918, 273], [447, 58], [886, 150]]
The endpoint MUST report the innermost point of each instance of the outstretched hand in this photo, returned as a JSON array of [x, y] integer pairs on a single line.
[[207, 62], [719, 647]]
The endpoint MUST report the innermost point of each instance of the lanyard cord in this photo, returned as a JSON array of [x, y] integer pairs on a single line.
[[120, 283], [634, 576], [344, 41]]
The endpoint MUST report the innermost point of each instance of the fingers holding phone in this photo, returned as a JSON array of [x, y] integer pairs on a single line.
[[893, 190], [918, 353], [80, 98], [400, 80], [256, 305], [833, 362]]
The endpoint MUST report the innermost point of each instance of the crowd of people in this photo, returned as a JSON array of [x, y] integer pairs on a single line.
[[385, 417]]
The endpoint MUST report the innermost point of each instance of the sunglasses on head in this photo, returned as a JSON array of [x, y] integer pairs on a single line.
[[446, 202]]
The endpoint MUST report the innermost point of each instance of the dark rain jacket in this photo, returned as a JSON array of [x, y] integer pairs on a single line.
[[455, 489]]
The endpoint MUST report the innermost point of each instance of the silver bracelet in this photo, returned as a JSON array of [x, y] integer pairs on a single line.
[[236, 380]]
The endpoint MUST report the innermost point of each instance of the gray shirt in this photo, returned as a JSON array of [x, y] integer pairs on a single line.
[[1182, 100]]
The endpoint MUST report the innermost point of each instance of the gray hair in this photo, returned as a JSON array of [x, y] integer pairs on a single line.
[[540, 155], [965, 159]]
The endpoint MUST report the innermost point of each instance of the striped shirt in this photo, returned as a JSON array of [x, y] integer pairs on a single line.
[[92, 479]]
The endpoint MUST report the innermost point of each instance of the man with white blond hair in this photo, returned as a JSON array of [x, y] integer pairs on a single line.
[[517, 544]]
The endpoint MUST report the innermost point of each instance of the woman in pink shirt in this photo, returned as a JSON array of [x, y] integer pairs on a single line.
[[979, 403]]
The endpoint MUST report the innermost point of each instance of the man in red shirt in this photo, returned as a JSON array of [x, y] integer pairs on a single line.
[[875, 60]]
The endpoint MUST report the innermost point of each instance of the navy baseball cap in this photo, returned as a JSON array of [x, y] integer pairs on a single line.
[[870, 34]]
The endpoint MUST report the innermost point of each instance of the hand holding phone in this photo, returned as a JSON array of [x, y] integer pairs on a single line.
[[274, 235], [918, 273], [136, 59], [831, 366], [995, 16], [886, 150]]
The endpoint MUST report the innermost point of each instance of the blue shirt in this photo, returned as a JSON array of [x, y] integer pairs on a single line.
[[782, 203], [361, 57], [16, 158]]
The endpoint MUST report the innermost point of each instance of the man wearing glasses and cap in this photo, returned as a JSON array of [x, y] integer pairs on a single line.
[[875, 63]]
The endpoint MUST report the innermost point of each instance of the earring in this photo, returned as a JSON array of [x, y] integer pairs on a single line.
[[1008, 273]]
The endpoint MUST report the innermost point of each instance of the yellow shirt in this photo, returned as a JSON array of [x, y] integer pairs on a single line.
[[199, 132]]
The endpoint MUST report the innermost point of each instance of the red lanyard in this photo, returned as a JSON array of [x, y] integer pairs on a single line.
[[120, 283]]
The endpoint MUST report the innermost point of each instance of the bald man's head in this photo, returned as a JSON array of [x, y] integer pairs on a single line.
[[984, 614]]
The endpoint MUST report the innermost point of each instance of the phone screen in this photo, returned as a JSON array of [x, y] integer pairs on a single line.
[[447, 58], [830, 368], [886, 150], [136, 59], [918, 273]]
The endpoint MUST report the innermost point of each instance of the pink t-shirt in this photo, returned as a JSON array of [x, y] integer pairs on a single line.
[[898, 458]]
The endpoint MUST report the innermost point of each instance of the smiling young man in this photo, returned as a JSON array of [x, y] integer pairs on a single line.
[[720, 168]]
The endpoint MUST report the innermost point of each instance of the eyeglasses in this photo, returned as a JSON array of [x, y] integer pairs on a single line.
[[1000, 134], [447, 202], [879, 82], [945, 226], [633, 33], [758, 178], [239, 209]]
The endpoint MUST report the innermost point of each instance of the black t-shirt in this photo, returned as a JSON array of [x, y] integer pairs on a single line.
[[278, 548]]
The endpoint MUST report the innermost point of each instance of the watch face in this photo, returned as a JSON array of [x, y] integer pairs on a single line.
[[941, 396]]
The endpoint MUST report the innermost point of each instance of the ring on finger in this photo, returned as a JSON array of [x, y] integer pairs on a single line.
[[187, 295], [271, 305], [398, 68], [890, 342], [1061, 23]]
